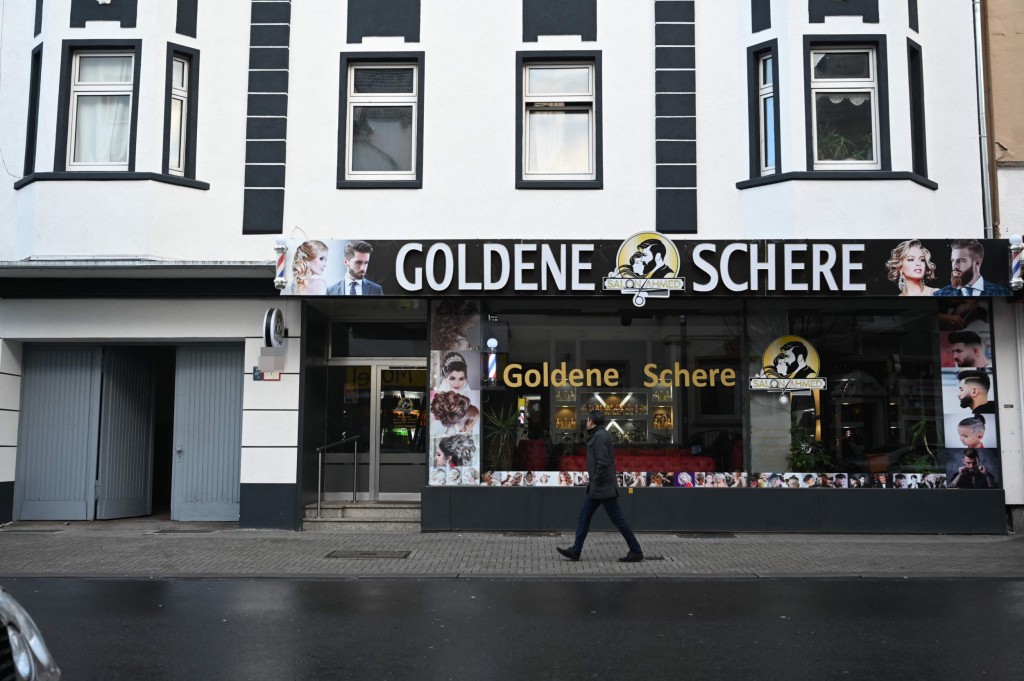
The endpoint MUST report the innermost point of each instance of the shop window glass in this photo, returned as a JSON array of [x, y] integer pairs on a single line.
[[554, 361]]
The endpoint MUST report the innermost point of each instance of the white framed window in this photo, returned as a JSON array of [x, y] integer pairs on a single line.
[[844, 108], [766, 113], [100, 116], [382, 114], [177, 133], [559, 132]]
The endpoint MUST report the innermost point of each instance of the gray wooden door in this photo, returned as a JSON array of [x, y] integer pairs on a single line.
[[207, 432], [58, 433], [125, 480]]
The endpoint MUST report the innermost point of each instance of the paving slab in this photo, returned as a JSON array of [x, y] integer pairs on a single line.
[[218, 550]]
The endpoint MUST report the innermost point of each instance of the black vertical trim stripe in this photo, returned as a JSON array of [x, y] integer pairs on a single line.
[[39, 18], [675, 117], [32, 131], [187, 18], [383, 18], [760, 15], [817, 10], [918, 139], [912, 11], [567, 17], [125, 12], [267, 117]]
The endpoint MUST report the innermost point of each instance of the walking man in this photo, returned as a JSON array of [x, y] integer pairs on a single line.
[[601, 491]]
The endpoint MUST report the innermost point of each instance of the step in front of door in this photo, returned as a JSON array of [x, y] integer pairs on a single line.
[[359, 525], [363, 517], [366, 511]]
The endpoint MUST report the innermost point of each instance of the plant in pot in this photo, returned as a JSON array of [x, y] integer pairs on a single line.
[[921, 457], [502, 433], [806, 454]]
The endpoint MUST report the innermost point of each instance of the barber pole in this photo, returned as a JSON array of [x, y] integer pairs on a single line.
[[1016, 247], [281, 248]]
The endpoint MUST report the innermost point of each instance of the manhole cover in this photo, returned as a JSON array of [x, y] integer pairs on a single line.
[[181, 531], [706, 535], [394, 555]]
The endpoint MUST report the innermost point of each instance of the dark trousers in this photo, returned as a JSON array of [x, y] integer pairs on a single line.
[[611, 506]]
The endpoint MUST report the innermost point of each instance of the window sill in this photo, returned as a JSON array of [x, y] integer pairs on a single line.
[[559, 184], [380, 184], [840, 175], [93, 176]]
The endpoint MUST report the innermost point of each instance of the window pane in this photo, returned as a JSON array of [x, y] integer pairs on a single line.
[[177, 133], [178, 74], [766, 71], [844, 126], [101, 129], [112, 69], [382, 138], [768, 116], [377, 81], [842, 65], [560, 81], [559, 142]]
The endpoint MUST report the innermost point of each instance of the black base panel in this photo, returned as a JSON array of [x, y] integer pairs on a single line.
[[6, 502], [867, 511], [268, 507]]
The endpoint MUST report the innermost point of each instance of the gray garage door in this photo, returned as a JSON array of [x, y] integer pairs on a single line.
[[58, 434], [207, 432]]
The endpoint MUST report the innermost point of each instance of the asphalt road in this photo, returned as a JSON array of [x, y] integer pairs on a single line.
[[751, 629]]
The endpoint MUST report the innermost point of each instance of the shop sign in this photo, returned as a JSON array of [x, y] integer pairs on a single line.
[[790, 364], [645, 265]]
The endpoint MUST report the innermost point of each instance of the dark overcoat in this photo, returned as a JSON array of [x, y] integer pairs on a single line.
[[601, 465]]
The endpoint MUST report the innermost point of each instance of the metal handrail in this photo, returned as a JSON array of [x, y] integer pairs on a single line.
[[321, 450]]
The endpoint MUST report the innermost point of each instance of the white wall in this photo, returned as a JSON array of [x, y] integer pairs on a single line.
[[469, 107], [270, 408], [1008, 326], [10, 405], [842, 209]]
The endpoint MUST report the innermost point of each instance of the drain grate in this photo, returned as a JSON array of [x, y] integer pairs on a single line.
[[705, 535], [532, 533], [181, 532], [12, 529], [393, 555]]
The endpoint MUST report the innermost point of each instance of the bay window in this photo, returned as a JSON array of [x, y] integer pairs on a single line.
[[100, 116], [844, 108]]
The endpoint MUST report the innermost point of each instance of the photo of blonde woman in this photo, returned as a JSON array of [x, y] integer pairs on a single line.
[[910, 265]]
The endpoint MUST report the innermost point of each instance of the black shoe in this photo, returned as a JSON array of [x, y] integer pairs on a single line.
[[631, 557], [569, 553]]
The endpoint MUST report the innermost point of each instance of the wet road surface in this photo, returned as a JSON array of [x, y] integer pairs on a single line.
[[239, 629]]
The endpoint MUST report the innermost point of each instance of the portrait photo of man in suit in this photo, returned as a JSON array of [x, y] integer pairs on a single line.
[[965, 278], [355, 283]]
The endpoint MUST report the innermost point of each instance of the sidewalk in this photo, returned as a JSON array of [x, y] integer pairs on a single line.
[[153, 548]]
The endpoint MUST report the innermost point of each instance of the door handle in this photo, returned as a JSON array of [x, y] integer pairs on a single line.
[[179, 451]]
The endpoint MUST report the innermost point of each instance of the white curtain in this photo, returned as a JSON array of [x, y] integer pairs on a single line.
[[103, 121], [559, 142]]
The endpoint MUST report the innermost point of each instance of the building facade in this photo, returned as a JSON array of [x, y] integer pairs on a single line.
[[696, 216]]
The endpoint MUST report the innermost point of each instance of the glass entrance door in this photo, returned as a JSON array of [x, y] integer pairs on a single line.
[[384, 406]]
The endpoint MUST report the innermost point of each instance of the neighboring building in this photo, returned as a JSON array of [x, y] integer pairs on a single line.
[[1004, 51], [742, 170]]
